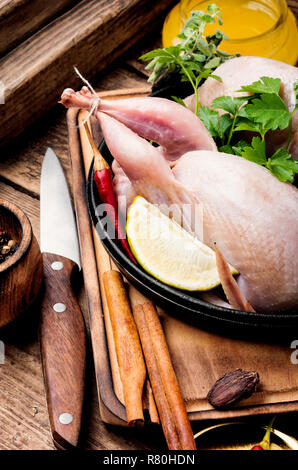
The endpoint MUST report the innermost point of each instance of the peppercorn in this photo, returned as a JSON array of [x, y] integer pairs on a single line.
[[232, 387], [8, 246]]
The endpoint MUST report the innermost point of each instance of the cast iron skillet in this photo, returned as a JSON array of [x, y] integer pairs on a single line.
[[182, 304]]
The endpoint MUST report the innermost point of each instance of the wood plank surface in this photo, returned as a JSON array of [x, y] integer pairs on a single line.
[[91, 35], [13, 28], [23, 415], [293, 4]]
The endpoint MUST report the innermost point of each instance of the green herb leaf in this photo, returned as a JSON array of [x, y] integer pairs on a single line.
[[152, 54], [191, 65], [282, 165], [226, 149], [270, 111], [295, 86], [162, 59], [178, 100], [225, 123], [264, 85], [229, 104], [215, 39], [244, 124], [256, 152], [212, 63], [213, 9], [210, 119], [196, 56], [236, 149], [208, 73], [239, 147], [218, 126]]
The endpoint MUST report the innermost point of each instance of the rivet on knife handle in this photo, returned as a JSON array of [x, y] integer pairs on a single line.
[[63, 348]]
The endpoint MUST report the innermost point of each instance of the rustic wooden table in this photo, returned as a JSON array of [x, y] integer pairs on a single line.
[[23, 412]]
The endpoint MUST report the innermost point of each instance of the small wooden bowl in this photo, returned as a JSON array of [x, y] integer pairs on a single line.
[[20, 273]]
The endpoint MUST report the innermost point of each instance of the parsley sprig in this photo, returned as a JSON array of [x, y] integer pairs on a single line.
[[261, 111], [196, 56]]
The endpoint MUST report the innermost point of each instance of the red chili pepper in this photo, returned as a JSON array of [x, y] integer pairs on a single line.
[[103, 178], [265, 443]]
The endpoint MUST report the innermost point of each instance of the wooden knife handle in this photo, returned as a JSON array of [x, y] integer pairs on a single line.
[[63, 350]]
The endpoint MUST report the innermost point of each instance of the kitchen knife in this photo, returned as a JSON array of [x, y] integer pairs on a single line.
[[62, 330]]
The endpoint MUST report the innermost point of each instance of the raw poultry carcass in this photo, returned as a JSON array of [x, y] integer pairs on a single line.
[[176, 129], [123, 188], [242, 71], [251, 215]]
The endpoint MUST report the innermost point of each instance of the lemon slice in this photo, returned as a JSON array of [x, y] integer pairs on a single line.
[[167, 251]]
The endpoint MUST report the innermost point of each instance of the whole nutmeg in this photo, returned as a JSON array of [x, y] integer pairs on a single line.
[[232, 387]]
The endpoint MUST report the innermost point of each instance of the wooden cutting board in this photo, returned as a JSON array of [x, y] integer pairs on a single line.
[[199, 357]]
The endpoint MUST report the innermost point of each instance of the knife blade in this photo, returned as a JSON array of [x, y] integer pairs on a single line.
[[62, 328]]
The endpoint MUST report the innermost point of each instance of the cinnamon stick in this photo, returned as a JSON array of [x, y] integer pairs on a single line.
[[168, 398], [149, 403], [128, 348]]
